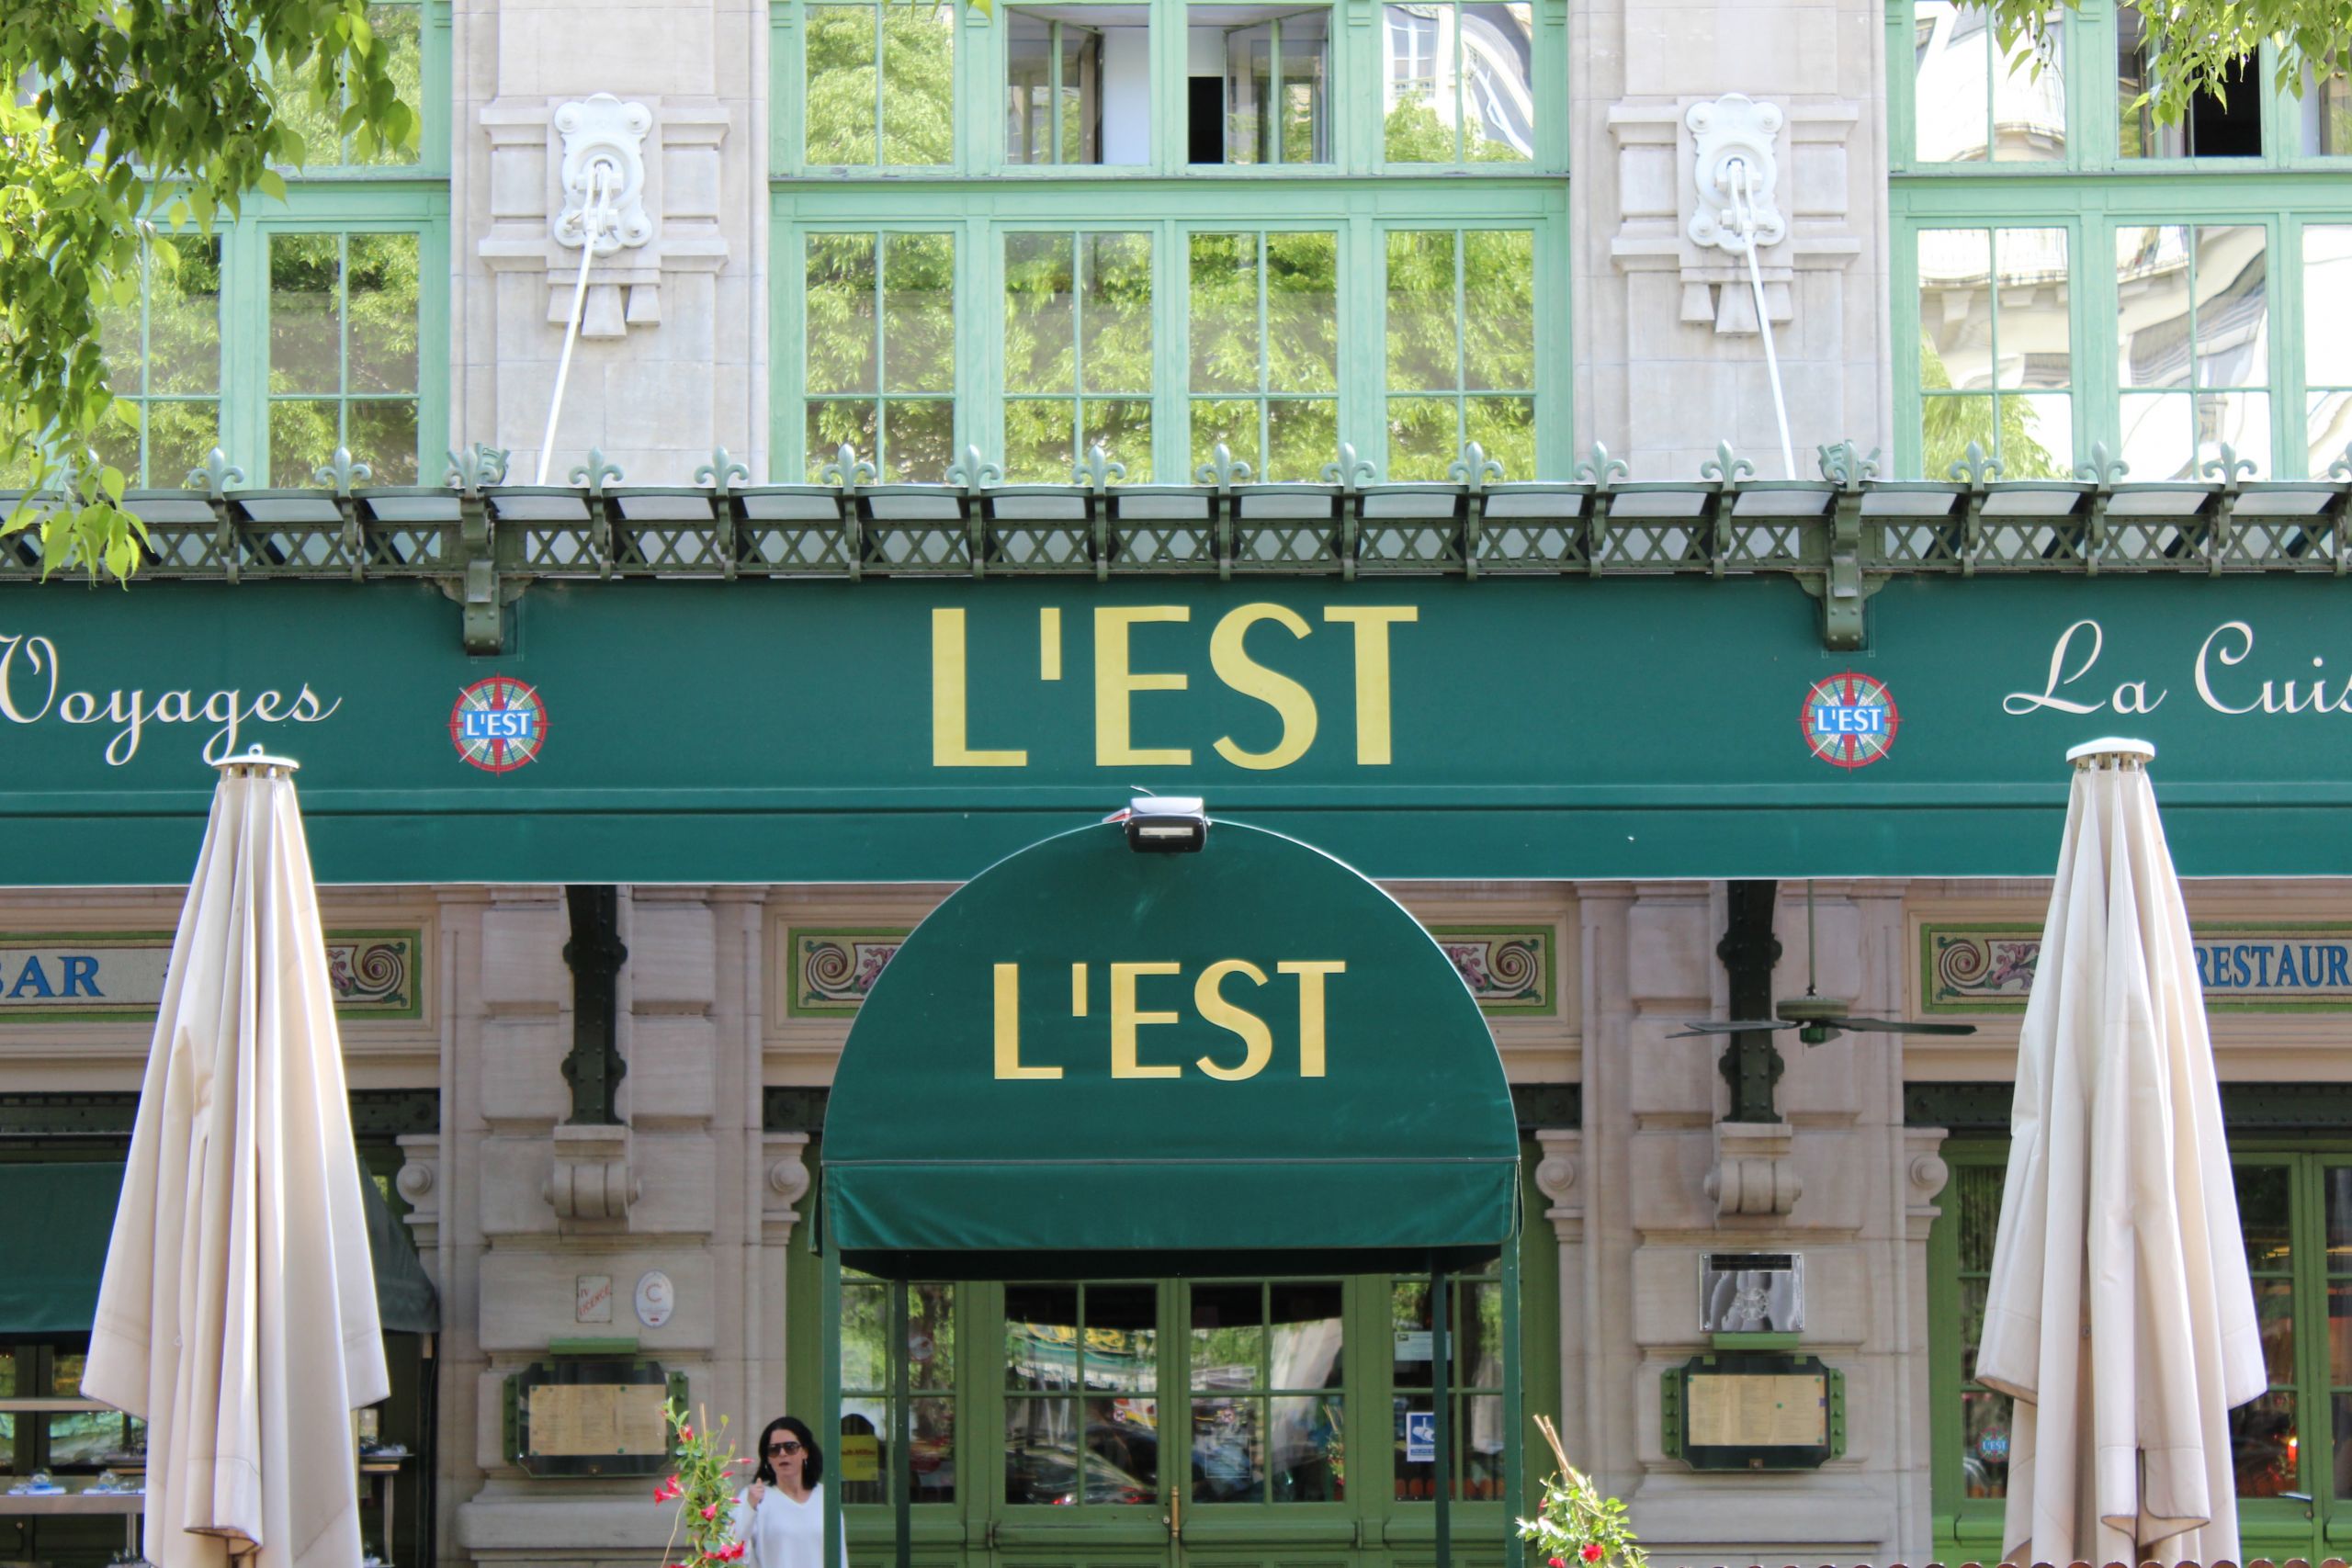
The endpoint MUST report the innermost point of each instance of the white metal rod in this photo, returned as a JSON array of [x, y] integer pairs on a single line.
[[591, 225], [1743, 199]]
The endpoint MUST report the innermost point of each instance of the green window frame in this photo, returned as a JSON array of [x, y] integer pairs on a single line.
[[2215, 335], [279, 407], [929, 1326], [2295, 1209], [1163, 406]]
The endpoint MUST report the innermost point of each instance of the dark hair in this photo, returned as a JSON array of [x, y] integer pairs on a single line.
[[812, 1458]]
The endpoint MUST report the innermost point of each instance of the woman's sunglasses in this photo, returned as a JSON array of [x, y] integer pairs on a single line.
[[787, 1449]]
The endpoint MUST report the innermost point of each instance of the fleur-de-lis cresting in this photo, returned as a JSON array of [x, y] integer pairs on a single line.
[[216, 476], [476, 468], [1844, 464], [2342, 468], [1221, 470], [1725, 468], [2229, 467], [341, 472], [974, 471], [597, 472], [1474, 469], [1976, 470], [848, 470], [1601, 470], [1351, 469], [2101, 470], [1097, 471], [722, 472]]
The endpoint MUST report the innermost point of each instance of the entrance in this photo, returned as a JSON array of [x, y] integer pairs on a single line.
[[1241, 1422]]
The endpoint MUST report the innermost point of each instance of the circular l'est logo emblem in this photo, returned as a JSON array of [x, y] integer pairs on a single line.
[[499, 724], [1849, 720]]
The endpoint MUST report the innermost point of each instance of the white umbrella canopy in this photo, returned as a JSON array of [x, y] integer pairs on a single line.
[[2119, 1314], [237, 1314]]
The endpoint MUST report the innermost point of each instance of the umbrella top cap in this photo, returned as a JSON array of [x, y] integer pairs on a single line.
[[2113, 751], [255, 761]]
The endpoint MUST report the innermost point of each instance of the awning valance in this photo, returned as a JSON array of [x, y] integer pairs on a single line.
[[55, 1220], [1249, 1049]]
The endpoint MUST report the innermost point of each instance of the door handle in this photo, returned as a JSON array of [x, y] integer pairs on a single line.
[[2302, 1497], [1174, 1517]]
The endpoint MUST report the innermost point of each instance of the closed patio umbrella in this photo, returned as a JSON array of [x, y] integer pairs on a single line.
[[237, 1314], [2118, 1314]]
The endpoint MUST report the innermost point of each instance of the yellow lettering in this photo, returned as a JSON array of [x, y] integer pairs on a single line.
[[1049, 643], [1077, 990], [1008, 1027], [1258, 1039], [1114, 684], [949, 724], [1125, 1020], [1310, 973], [1234, 666], [1372, 623]]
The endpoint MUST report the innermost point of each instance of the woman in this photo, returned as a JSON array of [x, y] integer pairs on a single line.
[[782, 1513]]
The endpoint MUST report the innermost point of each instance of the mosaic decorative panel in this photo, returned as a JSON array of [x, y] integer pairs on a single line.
[[1508, 968], [833, 968], [2266, 967], [118, 976]]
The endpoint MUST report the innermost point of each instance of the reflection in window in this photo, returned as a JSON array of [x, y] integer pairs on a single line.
[[1081, 1376], [1268, 1416], [863, 1462], [879, 336], [1461, 349], [1078, 353], [1474, 1381], [2193, 345], [400, 36], [2328, 344], [162, 352], [1996, 360], [343, 354], [1078, 85], [1266, 68], [1976, 101], [880, 86], [2214, 125], [2327, 118], [1265, 350], [1457, 82]]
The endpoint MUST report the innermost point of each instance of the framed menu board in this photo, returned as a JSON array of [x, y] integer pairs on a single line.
[[1754, 1410], [590, 1417]]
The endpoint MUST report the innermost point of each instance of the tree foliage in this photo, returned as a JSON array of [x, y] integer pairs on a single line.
[[2202, 46], [146, 117]]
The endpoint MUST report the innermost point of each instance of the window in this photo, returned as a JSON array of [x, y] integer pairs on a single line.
[[1063, 67], [2295, 1212], [1081, 1376], [344, 321], [1266, 1367], [865, 1468], [1460, 82], [1077, 351], [1263, 77], [1474, 1385], [36, 1435], [879, 88], [2328, 344], [1265, 342], [162, 352], [2014, 184], [1461, 348], [880, 347]]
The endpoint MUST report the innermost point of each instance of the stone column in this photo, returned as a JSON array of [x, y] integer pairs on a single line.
[[1669, 360]]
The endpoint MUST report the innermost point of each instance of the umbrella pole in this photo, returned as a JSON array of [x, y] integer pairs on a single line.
[[903, 1428], [829, 1373], [1441, 1395], [1514, 1416]]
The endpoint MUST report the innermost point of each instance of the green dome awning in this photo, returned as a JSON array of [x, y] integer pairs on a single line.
[[1087, 1051]]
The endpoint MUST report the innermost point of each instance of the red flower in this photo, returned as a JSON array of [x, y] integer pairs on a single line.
[[668, 1490], [685, 1433], [731, 1553], [1591, 1552], [1559, 1563], [712, 1512]]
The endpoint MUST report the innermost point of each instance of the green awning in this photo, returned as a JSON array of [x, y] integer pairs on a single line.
[[55, 1220], [1190, 1057]]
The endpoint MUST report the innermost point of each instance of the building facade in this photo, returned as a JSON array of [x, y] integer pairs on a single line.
[[1167, 249]]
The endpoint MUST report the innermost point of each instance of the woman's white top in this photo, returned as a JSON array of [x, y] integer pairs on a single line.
[[783, 1533]]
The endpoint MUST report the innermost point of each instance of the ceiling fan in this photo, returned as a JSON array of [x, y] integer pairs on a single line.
[[1817, 1018]]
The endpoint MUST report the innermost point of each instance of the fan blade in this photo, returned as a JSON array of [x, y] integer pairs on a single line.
[[1890, 1026], [1695, 1026]]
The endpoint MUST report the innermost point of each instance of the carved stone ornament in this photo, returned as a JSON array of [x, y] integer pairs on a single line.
[[1752, 1173], [1735, 158], [604, 141], [591, 1186]]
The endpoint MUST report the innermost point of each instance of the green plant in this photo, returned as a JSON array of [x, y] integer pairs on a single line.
[[703, 1486], [1575, 1526]]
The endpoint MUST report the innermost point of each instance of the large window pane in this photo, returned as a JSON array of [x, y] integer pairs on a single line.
[[1078, 325], [399, 33], [1974, 101], [2215, 125], [1272, 101], [163, 353], [1089, 1435], [1078, 85], [879, 77], [2327, 366], [1264, 362], [1995, 350], [879, 351], [1458, 83], [2193, 345], [344, 319], [1461, 336]]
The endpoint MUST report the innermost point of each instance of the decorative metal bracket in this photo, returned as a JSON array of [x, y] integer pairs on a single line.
[[1736, 163], [602, 136], [1840, 584]]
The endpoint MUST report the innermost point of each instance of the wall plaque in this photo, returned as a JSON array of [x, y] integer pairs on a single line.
[[1754, 1410], [590, 1417]]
